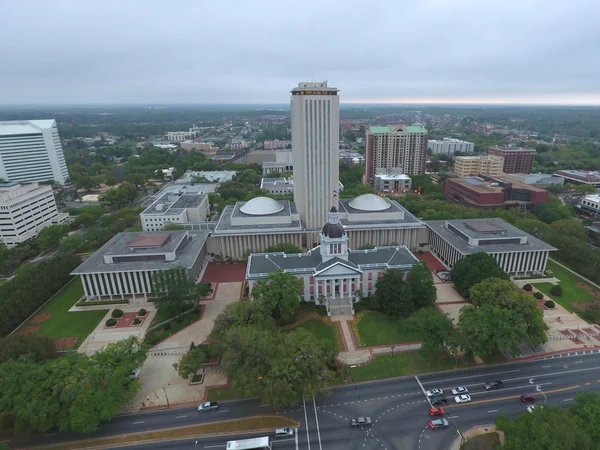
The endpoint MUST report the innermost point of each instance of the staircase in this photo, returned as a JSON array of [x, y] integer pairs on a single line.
[[340, 306]]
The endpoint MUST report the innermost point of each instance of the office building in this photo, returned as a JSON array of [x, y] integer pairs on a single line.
[[580, 177], [450, 146], [517, 253], [331, 273], [315, 111], [486, 192], [280, 163], [278, 186], [516, 159], [177, 208], [25, 209], [125, 265], [30, 150], [400, 149], [393, 183], [465, 166]]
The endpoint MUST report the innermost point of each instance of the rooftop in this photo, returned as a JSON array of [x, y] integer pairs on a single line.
[[173, 203], [392, 176], [581, 174], [13, 127], [224, 225], [418, 129], [392, 217], [512, 149], [380, 130]]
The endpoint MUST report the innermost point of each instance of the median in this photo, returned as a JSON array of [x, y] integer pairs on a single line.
[[264, 424]]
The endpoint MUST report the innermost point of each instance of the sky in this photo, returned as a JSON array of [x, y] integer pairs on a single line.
[[255, 51]]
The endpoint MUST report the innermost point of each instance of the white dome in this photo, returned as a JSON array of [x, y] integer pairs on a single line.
[[369, 202], [261, 206]]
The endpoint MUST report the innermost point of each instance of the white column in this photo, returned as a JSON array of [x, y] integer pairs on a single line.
[[85, 279], [131, 285], [95, 284], [120, 288]]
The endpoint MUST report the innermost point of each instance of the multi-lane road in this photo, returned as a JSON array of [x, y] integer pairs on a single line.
[[398, 408]]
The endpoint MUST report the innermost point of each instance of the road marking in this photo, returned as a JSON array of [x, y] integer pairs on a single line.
[[317, 421], [578, 362], [46, 435], [472, 376], [587, 383], [306, 422], [567, 399], [135, 423], [493, 410], [545, 367], [180, 417], [296, 437], [452, 417], [510, 397], [225, 410]]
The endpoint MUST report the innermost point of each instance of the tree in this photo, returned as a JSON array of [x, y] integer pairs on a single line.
[[393, 294], [85, 219], [284, 247], [175, 291], [587, 408], [475, 268], [280, 293], [423, 291], [35, 347], [547, 428], [86, 182], [120, 197], [240, 314], [492, 291], [137, 179], [553, 211], [51, 235], [571, 228], [71, 242], [585, 189], [435, 330], [191, 363]]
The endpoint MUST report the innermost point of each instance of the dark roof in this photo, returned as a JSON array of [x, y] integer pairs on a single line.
[[333, 230], [146, 241]]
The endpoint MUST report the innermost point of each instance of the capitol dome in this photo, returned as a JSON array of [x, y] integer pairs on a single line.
[[333, 229], [369, 202], [261, 206]]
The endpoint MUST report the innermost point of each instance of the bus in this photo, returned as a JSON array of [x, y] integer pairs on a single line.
[[261, 443]]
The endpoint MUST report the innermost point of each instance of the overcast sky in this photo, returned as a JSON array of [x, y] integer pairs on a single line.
[[255, 51]]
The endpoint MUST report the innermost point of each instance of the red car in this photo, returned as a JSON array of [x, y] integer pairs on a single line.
[[437, 412]]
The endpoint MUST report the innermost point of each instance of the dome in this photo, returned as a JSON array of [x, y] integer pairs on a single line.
[[333, 230], [369, 202], [261, 206]]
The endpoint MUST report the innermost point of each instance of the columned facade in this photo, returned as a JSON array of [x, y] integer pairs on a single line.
[[118, 284], [380, 237]]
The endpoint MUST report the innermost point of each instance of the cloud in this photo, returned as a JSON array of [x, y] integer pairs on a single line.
[[255, 51]]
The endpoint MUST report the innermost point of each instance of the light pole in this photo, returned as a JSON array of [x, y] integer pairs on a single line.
[[539, 389], [167, 396], [195, 444]]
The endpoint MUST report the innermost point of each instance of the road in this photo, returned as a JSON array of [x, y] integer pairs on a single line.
[[398, 407]]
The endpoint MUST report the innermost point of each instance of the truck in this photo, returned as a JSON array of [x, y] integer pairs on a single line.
[[361, 422]]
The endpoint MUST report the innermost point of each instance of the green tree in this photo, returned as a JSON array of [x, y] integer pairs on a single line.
[[393, 294], [571, 228], [423, 291], [51, 235], [119, 197], [553, 211], [585, 189], [240, 314], [475, 268], [191, 363], [587, 408], [175, 291], [85, 219], [436, 331], [35, 347], [71, 242], [137, 179], [285, 247], [280, 293]]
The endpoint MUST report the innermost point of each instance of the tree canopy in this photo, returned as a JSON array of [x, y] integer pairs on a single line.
[[422, 289], [393, 294], [474, 268], [280, 293], [35, 347], [175, 291]]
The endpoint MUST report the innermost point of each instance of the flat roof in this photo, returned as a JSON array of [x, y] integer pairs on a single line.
[[380, 130], [225, 227], [371, 219], [486, 229], [149, 241], [15, 127], [183, 201], [476, 184], [119, 245]]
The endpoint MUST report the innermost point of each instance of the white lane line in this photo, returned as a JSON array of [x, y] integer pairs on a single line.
[[296, 437], [214, 446], [545, 367], [578, 362], [317, 421], [306, 422], [567, 399], [491, 375], [180, 417], [525, 387], [493, 411], [135, 423], [452, 417], [225, 410]]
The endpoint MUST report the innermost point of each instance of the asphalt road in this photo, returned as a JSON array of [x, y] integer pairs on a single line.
[[398, 408]]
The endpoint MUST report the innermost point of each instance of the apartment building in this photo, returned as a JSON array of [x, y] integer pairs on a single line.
[[473, 165], [516, 159], [450, 146], [24, 210], [30, 150], [395, 149]]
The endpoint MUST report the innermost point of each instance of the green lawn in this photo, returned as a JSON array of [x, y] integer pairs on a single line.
[[68, 324], [407, 363], [321, 330], [571, 292], [224, 393], [378, 329]]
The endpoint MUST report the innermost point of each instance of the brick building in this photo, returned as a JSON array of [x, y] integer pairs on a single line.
[[516, 159]]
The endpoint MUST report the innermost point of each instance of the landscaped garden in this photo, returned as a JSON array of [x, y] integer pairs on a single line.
[[321, 329], [372, 328], [54, 320], [576, 292]]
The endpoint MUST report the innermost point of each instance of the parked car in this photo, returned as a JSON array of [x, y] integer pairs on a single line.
[[460, 390], [438, 400], [528, 398], [361, 422], [462, 398], [433, 392], [208, 406], [437, 412], [439, 423], [493, 385], [281, 432]]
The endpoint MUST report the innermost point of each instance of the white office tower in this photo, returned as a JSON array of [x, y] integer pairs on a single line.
[[315, 151], [30, 150]]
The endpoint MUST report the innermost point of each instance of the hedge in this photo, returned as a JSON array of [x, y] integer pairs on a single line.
[[528, 288], [142, 312], [549, 304], [117, 313], [136, 322], [556, 290], [111, 322], [538, 295]]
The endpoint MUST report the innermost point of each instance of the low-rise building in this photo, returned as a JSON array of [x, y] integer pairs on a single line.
[[281, 164], [580, 177], [223, 158], [124, 267], [392, 183], [278, 186], [517, 253], [465, 166], [178, 208], [25, 209], [450, 146], [590, 205], [540, 180], [204, 147]]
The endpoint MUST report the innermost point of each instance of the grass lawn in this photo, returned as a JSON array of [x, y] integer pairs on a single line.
[[487, 441], [321, 330], [68, 324], [407, 363], [224, 393], [378, 329], [571, 292]]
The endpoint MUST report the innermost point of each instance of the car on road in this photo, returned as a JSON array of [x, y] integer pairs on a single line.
[[437, 412], [462, 398], [361, 422], [281, 432], [528, 398], [493, 385], [208, 406], [460, 390], [439, 423], [438, 400], [433, 392]]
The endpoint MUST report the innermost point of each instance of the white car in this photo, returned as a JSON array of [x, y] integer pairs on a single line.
[[433, 392], [460, 390], [462, 398]]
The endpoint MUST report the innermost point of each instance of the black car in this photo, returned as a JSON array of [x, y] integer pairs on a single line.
[[493, 385], [438, 400]]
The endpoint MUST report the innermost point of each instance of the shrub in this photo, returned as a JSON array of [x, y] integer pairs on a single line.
[[549, 304], [136, 321], [538, 295], [556, 290], [420, 252], [142, 312], [111, 322], [528, 288], [117, 313]]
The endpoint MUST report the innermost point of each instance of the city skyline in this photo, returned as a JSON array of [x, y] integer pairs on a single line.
[[428, 52]]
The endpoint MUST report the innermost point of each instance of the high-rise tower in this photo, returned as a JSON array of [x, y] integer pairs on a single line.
[[315, 150]]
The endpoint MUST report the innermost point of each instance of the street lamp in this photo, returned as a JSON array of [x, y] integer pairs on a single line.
[[538, 388], [195, 444], [167, 396]]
